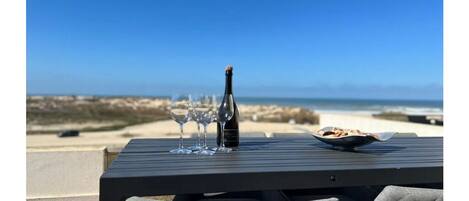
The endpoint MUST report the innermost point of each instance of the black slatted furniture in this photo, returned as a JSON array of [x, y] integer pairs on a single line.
[[145, 168]]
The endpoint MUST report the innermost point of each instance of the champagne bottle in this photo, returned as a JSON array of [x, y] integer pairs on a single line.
[[232, 126]]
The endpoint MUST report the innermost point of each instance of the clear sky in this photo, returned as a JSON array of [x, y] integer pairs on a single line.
[[304, 48]]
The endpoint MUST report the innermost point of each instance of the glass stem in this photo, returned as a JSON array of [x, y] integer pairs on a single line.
[[222, 140], [181, 140], [198, 134], [205, 136]]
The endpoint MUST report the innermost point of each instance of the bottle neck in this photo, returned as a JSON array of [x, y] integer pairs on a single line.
[[228, 84]]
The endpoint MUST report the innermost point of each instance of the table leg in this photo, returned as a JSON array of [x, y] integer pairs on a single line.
[[108, 192], [274, 195], [188, 197], [111, 197]]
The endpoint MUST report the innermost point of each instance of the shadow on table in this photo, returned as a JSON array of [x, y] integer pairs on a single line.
[[367, 149], [259, 145]]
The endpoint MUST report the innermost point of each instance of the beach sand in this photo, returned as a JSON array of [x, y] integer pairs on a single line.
[[159, 129], [170, 129]]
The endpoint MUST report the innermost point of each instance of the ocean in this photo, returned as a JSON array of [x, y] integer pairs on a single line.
[[352, 105], [334, 105]]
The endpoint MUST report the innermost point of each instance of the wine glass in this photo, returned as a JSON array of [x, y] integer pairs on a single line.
[[196, 115], [225, 113], [180, 112], [207, 112]]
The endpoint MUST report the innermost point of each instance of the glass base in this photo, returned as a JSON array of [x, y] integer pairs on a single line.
[[207, 152], [222, 149], [195, 148], [180, 151]]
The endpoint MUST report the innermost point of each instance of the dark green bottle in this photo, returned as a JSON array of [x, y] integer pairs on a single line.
[[231, 126]]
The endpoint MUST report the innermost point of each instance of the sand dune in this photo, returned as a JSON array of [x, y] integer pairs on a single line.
[[170, 129]]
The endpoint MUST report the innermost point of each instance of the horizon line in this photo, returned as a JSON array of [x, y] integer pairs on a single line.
[[272, 97]]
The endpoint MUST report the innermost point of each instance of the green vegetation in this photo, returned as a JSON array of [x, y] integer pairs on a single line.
[[395, 116], [52, 114], [299, 115], [53, 111]]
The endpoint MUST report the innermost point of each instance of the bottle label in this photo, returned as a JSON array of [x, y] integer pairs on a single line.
[[231, 137]]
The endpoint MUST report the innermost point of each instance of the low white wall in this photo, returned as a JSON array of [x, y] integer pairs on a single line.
[[66, 172], [369, 124], [74, 198]]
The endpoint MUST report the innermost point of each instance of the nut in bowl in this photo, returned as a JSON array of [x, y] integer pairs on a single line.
[[349, 138]]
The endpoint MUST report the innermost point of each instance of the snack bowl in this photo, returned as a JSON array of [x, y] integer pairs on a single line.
[[351, 141]]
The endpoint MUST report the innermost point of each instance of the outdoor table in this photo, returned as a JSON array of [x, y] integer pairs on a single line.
[[146, 168]]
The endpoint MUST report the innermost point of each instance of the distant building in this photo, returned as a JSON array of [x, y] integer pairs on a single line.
[[82, 98], [35, 97]]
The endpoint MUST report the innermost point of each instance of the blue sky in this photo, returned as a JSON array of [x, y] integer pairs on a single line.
[[386, 49]]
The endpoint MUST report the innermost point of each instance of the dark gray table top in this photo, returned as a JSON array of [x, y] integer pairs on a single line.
[[144, 167]]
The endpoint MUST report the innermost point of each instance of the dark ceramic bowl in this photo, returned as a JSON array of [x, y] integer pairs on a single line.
[[352, 141]]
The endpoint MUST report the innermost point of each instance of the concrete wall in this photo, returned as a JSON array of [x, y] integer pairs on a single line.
[[70, 173], [68, 198], [369, 124]]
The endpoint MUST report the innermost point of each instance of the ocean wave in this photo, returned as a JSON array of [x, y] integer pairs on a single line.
[[355, 106]]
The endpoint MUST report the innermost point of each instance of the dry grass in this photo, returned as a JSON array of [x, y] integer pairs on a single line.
[[395, 116], [106, 114], [51, 111], [286, 114]]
